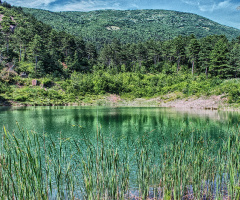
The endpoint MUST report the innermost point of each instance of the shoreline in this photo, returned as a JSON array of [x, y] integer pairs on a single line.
[[215, 102]]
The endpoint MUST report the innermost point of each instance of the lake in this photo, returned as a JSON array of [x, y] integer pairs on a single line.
[[120, 122], [141, 137]]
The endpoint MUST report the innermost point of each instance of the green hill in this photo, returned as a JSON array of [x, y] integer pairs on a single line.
[[131, 25], [68, 69]]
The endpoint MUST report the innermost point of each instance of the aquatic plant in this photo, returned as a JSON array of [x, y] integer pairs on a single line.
[[191, 166]]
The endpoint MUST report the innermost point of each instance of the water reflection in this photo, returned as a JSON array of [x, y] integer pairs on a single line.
[[70, 121]]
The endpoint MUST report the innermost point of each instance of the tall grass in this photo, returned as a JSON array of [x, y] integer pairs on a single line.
[[191, 166]]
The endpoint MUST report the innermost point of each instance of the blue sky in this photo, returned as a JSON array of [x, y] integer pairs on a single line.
[[222, 11]]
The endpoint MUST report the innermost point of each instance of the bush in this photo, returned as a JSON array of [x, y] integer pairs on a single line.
[[3, 87], [46, 82]]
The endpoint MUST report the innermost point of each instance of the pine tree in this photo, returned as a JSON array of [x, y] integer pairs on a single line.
[[204, 54], [179, 50], [219, 59], [36, 49], [235, 59], [193, 51]]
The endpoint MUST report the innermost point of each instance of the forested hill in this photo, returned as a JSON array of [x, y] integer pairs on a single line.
[[132, 25], [40, 66]]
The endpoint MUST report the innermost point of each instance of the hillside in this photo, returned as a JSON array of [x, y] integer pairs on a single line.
[[39, 66], [132, 25]]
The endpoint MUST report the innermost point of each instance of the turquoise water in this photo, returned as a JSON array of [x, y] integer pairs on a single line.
[[122, 126], [118, 122]]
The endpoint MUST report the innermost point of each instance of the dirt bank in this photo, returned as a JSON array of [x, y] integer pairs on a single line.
[[211, 103]]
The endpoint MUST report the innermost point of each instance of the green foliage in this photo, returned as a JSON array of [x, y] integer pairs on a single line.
[[3, 87], [137, 84], [131, 26], [27, 67], [231, 89], [47, 82], [37, 95], [219, 58], [235, 59], [70, 67]]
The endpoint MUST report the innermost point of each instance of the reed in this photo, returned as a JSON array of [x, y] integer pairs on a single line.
[[191, 166]]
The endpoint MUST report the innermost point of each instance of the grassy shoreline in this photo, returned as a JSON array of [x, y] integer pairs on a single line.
[[125, 89]]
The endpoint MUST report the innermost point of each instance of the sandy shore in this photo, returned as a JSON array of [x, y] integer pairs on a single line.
[[215, 102]]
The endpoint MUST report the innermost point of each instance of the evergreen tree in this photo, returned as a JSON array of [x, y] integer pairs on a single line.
[[154, 52], [204, 54], [91, 53], [36, 50], [219, 58], [141, 54], [193, 51], [179, 50], [106, 56], [116, 52], [235, 59], [5, 23]]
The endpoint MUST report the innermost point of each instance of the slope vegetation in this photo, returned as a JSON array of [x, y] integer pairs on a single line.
[[132, 25]]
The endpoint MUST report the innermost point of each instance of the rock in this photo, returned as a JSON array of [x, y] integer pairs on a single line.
[[34, 82]]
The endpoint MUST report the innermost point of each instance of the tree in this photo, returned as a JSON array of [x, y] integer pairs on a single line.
[[193, 51], [235, 59], [106, 56], [54, 42], [154, 52], [219, 58], [36, 49], [117, 52], [204, 54], [6, 5], [5, 23], [68, 45], [141, 54], [91, 53], [179, 50], [20, 37]]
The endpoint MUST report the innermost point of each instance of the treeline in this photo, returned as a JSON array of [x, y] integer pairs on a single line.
[[212, 55]]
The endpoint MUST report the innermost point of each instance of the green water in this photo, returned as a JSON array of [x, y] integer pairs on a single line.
[[157, 132], [121, 122], [120, 125]]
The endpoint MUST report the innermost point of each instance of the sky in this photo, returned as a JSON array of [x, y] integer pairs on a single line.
[[226, 12]]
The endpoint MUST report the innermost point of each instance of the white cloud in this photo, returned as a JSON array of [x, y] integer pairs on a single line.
[[211, 5], [87, 5], [133, 6], [190, 2], [215, 6], [224, 4], [32, 3], [73, 5]]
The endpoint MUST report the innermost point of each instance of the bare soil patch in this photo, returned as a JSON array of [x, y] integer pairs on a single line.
[[213, 102]]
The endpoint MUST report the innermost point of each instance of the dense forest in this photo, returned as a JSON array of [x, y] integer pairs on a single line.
[[68, 68], [131, 26]]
